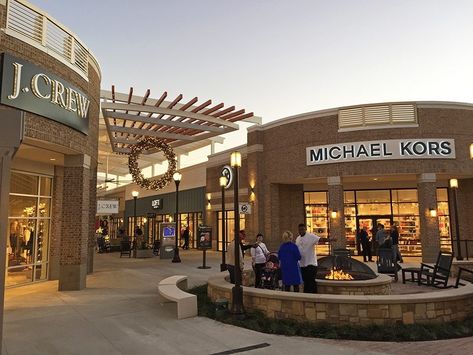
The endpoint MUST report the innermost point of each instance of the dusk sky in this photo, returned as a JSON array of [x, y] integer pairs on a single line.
[[280, 58]]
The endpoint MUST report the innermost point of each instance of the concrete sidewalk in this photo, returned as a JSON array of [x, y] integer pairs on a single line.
[[119, 313]]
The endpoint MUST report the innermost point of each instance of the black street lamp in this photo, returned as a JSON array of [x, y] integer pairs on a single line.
[[135, 197], [454, 188], [237, 290], [177, 179], [223, 183]]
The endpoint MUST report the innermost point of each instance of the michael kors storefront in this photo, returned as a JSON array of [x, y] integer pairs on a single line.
[[341, 169]]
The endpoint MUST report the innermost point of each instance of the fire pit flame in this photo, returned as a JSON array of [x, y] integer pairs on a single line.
[[336, 274]]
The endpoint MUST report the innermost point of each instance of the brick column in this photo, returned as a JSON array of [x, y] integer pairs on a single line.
[[75, 223], [92, 214], [56, 223], [336, 203], [429, 226]]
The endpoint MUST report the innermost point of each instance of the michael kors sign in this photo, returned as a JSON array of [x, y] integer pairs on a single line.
[[30, 88], [435, 148]]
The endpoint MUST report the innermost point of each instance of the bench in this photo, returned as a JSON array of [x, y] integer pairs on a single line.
[[173, 289]]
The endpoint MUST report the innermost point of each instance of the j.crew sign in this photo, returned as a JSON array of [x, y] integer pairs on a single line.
[[435, 148], [30, 88]]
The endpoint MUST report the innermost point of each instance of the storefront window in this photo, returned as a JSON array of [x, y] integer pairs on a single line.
[[28, 228], [316, 217], [369, 207], [373, 196], [443, 215], [229, 227]]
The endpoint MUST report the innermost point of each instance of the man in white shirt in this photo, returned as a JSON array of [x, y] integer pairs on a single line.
[[306, 243]]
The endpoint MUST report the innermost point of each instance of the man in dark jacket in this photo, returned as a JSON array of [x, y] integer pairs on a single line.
[[365, 244]]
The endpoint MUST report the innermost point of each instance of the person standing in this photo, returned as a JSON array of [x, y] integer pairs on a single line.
[[395, 242], [243, 246], [259, 254], [380, 236], [185, 236], [231, 260], [289, 256], [365, 244], [306, 243]]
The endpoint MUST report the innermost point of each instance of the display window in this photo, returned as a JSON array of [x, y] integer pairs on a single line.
[[317, 218], [229, 227], [370, 207], [443, 215], [28, 228]]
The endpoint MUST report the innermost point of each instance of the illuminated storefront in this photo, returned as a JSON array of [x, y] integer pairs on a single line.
[[342, 169]]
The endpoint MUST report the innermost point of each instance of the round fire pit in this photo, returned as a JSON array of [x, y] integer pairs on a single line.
[[341, 275]]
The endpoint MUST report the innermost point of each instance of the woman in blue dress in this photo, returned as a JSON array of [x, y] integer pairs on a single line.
[[289, 257]]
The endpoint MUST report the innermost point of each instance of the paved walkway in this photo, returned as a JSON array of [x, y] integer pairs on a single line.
[[119, 313]]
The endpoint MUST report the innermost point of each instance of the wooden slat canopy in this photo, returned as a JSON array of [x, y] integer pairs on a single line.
[[128, 118]]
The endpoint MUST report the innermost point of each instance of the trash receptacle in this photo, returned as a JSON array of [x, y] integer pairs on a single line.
[[221, 307]]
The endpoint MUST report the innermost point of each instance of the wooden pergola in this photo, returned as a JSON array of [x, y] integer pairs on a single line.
[[184, 124]]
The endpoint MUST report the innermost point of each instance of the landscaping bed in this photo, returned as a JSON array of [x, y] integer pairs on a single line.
[[257, 321]]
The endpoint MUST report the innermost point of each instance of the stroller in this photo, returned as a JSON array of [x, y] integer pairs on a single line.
[[271, 273]]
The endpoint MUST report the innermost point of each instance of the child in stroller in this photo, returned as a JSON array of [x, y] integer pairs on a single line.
[[271, 273]]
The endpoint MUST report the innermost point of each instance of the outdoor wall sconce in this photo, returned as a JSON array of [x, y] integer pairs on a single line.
[[471, 151], [433, 212], [454, 183], [209, 205], [334, 214]]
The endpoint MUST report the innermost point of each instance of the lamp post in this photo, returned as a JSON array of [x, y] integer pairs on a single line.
[[135, 197], [223, 183], [454, 187], [237, 290], [177, 179]]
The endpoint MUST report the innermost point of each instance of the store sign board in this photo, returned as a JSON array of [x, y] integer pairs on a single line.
[[435, 148], [157, 204], [244, 207], [227, 171], [30, 88], [107, 207], [205, 238]]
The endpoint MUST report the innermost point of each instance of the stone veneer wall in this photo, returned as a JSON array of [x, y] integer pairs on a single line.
[[379, 286], [432, 307]]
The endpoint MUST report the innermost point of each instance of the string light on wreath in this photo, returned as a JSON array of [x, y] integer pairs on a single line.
[[151, 143]]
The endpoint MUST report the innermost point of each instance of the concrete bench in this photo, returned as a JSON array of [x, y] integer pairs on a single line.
[[173, 289]]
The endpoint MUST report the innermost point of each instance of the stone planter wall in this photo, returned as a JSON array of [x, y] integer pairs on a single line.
[[433, 307], [378, 286]]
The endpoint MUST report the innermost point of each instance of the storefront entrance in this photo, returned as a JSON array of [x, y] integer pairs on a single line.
[[370, 207]]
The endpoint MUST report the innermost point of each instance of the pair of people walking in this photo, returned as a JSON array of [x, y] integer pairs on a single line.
[[298, 260]]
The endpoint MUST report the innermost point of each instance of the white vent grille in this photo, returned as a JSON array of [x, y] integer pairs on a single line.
[[81, 57], [378, 115], [58, 40], [24, 21], [350, 117]]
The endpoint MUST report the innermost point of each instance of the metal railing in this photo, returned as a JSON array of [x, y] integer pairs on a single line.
[[31, 25], [466, 247]]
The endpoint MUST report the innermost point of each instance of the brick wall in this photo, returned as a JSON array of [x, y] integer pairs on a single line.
[[72, 229]]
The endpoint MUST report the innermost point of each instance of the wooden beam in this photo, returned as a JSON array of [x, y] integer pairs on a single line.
[[146, 119], [167, 111], [140, 132]]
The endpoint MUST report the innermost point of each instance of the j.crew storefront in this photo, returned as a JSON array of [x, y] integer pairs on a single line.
[[50, 99], [342, 169]]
